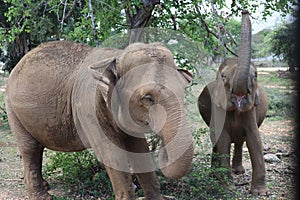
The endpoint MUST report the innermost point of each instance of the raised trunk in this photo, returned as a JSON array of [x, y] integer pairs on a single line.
[[176, 155], [240, 81]]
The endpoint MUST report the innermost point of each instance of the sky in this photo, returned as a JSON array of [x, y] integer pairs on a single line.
[[271, 22], [258, 24]]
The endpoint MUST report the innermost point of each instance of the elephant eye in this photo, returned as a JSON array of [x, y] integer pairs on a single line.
[[254, 77], [147, 99], [223, 77]]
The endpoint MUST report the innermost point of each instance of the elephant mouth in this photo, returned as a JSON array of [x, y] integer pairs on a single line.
[[242, 102]]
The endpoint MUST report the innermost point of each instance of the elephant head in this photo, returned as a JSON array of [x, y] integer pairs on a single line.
[[144, 92], [237, 78]]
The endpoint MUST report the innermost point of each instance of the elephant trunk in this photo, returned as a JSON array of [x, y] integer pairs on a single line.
[[240, 81], [175, 156]]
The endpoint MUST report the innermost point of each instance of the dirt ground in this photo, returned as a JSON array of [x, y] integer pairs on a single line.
[[278, 139]]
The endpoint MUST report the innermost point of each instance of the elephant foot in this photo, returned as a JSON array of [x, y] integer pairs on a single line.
[[169, 197], [165, 197], [43, 195], [46, 185], [238, 169], [262, 191]]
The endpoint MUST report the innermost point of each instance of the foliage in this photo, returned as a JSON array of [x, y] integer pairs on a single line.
[[25, 24], [3, 114], [283, 43], [281, 96], [80, 171], [261, 44], [200, 182]]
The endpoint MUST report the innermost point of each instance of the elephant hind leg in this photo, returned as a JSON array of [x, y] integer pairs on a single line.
[[32, 153], [237, 165]]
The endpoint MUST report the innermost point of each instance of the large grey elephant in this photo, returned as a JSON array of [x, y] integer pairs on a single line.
[[68, 97], [234, 106]]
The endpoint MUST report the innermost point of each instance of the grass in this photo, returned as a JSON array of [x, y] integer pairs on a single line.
[[82, 176], [281, 94]]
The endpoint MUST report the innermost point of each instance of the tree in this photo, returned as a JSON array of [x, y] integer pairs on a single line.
[[283, 44], [261, 44], [25, 24]]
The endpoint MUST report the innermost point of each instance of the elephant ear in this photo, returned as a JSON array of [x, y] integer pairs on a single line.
[[218, 93], [217, 111], [105, 72], [186, 75]]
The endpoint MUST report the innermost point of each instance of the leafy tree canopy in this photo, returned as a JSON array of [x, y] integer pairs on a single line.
[[26, 24], [283, 44]]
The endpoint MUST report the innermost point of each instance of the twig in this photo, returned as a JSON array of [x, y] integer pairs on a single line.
[[7, 180], [241, 184], [63, 18], [173, 17], [93, 23], [209, 31], [71, 10]]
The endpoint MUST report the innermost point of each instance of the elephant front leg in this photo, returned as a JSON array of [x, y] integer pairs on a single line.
[[254, 144], [150, 184], [221, 156], [122, 184], [237, 159], [148, 180]]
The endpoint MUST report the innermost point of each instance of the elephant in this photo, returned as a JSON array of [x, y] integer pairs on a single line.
[[234, 106], [68, 97]]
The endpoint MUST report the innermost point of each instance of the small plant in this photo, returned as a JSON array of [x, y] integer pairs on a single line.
[[81, 172], [281, 95], [3, 114], [200, 183]]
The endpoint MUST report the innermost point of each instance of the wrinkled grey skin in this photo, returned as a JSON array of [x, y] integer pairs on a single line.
[[234, 106], [68, 97]]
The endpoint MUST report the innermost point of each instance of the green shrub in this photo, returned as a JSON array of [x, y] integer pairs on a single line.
[[200, 182], [3, 114], [80, 173]]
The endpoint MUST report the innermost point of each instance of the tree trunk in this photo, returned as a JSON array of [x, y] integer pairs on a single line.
[[139, 20]]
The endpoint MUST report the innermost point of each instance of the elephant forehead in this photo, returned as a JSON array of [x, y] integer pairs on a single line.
[[147, 76], [138, 57], [229, 69], [252, 69]]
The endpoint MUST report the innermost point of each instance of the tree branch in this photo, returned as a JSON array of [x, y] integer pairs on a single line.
[[173, 17], [139, 20], [71, 10], [127, 12], [93, 22], [63, 18], [209, 31]]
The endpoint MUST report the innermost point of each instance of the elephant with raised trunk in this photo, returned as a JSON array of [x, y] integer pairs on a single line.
[[68, 97], [234, 106]]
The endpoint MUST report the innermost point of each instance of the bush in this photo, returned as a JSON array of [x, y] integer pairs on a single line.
[[3, 114], [200, 182], [79, 171]]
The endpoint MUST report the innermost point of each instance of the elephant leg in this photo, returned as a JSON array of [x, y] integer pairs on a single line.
[[32, 153], [122, 184], [148, 181], [254, 144], [237, 159], [221, 153]]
